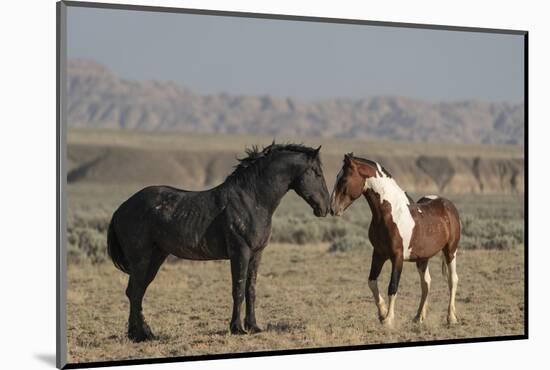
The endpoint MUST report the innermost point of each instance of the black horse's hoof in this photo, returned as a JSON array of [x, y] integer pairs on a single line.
[[141, 334], [141, 337], [237, 329], [138, 337], [252, 328]]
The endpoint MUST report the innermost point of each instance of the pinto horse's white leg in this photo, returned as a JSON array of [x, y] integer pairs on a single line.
[[397, 266], [452, 278], [425, 280], [389, 319], [377, 263], [378, 300]]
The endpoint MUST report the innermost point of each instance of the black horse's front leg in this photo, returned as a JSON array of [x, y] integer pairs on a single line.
[[250, 319], [239, 271]]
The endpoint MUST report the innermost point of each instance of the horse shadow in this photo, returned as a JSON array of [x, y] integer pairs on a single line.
[[277, 328]]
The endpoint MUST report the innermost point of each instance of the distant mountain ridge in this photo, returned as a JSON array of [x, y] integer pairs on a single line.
[[98, 98]]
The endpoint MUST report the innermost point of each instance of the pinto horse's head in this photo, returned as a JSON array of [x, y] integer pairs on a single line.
[[311, 185], [350, 183]]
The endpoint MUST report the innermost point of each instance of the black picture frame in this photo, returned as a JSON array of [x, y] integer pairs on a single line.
[[61, 175]]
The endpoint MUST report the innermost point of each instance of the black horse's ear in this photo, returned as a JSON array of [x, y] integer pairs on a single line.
[[314, 153]]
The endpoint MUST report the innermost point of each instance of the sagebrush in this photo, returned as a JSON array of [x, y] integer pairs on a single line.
[[488, 222]]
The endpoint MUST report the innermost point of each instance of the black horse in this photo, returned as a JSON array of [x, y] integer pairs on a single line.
[[231, 221]]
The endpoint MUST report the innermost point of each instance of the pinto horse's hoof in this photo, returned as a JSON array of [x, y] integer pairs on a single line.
[[382, 312], [387, 322], [452, 320], [419, 319], [382, 315]]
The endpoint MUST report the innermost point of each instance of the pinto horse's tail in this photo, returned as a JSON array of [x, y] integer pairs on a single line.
[[115, 251]]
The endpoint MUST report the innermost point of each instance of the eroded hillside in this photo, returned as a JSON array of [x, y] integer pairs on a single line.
[[199, 162]]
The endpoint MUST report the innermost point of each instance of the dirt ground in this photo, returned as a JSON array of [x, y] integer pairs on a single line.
[[306, 297]]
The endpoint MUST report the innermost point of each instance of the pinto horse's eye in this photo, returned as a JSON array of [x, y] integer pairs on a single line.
[[344, 191]]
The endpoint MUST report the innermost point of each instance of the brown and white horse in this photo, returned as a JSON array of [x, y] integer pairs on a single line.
[[400, 230]]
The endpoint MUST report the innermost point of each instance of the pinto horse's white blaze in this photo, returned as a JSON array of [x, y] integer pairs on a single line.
[[389, 191]]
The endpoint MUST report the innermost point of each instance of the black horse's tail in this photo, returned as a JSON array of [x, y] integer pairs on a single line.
[[114, 250]]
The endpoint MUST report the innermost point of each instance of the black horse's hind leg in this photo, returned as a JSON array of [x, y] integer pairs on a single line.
[[141, 276], [239, 271], [250, 319]]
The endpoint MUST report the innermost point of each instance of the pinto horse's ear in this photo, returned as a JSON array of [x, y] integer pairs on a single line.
[[348, 157]]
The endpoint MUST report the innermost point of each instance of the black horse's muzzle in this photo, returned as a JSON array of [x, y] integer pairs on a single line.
[[320, 211]]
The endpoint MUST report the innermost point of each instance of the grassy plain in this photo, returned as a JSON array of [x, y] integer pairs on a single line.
[[307, 297]]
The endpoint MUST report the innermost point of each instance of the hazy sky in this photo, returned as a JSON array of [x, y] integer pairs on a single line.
[[212, 54]]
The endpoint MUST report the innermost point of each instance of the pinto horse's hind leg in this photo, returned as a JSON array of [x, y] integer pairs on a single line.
[[141, 275], [377, 263], [425, 279], [452, 279]]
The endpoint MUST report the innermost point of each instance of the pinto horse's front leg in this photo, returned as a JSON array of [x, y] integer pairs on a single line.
[[377, 263], [397, 267], [239, 270]]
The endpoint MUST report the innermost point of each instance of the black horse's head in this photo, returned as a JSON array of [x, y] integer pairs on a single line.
[[310, 184], [282, 167]]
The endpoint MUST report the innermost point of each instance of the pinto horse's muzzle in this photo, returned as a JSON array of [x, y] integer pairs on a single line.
[[332, 205], [336, 212]]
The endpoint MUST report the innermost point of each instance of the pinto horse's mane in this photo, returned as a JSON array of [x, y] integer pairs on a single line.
[[378, 165], [371, 163], [256, 159]]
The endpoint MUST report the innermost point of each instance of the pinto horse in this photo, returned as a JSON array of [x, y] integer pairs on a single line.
[[400, 230], [231, 221]]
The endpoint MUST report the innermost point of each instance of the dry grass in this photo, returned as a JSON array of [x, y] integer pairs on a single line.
[[307, 297]]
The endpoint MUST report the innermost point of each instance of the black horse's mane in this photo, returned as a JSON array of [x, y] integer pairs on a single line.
[[256, 159]]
